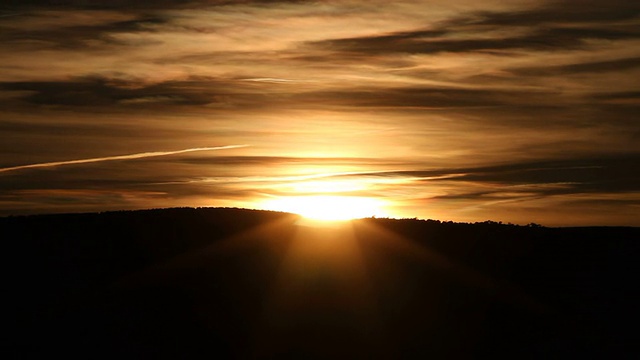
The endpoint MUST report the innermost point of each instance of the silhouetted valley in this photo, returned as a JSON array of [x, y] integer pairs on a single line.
[[234, 283]]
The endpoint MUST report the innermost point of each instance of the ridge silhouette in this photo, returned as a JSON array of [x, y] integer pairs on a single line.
[[237, 283]]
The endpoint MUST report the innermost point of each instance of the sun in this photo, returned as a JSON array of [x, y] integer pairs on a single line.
[[328, 207]]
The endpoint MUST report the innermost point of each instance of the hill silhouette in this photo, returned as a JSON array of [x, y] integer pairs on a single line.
[[236, 283]]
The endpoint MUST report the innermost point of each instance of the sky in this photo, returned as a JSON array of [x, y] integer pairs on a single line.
[[515, 111]]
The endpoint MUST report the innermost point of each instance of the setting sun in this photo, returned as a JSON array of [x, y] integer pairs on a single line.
[[327, 207]]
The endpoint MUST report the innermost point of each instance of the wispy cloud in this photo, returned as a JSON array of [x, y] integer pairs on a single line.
[[118, 157], [10, 15]]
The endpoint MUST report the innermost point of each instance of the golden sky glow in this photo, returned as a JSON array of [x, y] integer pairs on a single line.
[[520, 110], [327, 207]]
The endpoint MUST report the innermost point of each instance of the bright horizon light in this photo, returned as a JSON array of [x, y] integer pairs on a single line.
[[328, 207]]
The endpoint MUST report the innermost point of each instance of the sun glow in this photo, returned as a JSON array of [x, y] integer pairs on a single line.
[[328, 207]]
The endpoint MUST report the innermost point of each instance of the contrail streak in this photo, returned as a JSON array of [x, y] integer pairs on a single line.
[[118, 157]]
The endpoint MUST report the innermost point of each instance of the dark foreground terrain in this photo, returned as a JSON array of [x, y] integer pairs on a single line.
[[231, 283]]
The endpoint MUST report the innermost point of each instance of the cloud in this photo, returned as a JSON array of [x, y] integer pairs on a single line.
[[10, 15], [144, 5], [83, 35], [630, 98], [121, 91], [560, 12], [426, 97], [101, 91], [118, 157], [587, 67], [545, 29], [613, 174]]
